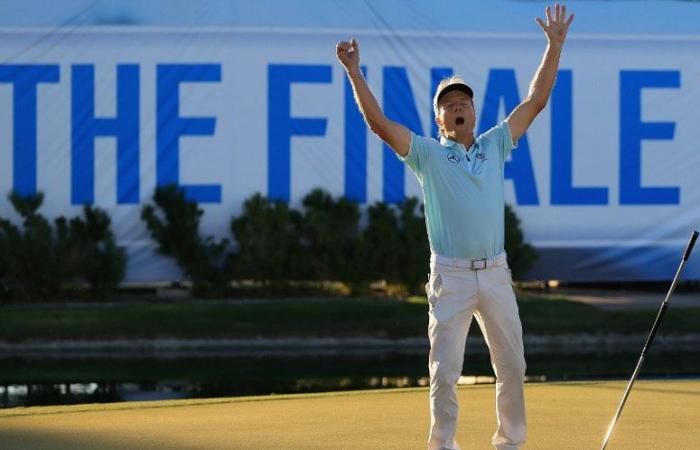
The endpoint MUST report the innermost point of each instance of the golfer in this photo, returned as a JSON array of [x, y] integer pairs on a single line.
[[462, 181]]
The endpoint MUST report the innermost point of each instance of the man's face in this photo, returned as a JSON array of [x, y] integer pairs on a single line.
[[456, 114]]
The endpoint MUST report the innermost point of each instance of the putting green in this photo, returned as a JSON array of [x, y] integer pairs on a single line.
[[658, 415]]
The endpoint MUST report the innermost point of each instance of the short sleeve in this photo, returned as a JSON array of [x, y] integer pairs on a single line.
[[501, 137], [417, 154]]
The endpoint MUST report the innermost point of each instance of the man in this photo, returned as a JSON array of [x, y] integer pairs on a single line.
[[462, 181]]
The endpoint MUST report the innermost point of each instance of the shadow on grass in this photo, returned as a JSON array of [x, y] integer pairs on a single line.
[[33, 439]]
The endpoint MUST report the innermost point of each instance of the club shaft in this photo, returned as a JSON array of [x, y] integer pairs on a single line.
[[650, 338], [640, 362], [662, 310]]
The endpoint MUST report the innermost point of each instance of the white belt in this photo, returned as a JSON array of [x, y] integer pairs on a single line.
[[469, 264]]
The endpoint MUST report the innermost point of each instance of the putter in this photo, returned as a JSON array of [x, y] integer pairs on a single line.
[[650, 338]]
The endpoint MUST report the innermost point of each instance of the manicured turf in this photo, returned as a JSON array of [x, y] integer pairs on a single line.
[[310, 317], [658, 415]]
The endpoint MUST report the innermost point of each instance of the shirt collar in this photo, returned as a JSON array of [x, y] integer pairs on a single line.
[[447, 142], [450, 143]]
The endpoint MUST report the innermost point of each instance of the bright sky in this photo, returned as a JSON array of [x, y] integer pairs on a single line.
[[614, 16]]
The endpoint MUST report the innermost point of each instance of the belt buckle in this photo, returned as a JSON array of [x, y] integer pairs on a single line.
[[476, 266]]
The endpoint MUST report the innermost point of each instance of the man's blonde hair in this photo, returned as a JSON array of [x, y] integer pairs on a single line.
[[454, 79]]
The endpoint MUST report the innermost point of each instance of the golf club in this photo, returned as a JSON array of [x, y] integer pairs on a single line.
[[650, 338]]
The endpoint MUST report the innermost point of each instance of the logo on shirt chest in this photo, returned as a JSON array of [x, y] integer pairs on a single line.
[[455, 159]]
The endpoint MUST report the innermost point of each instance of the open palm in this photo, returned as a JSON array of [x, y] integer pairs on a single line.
[[556, 27]]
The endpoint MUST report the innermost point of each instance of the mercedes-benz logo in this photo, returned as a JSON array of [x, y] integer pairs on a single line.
[[451, 157]]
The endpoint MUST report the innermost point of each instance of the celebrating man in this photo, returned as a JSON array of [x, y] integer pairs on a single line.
[[462, 180]]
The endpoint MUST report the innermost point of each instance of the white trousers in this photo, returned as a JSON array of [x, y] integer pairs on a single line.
[[455, 294]]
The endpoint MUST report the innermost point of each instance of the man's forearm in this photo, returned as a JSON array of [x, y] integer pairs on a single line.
[[543, 81], [373, 114]]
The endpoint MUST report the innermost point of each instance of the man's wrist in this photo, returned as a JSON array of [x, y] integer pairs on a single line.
[[353, 71], [556, 45]]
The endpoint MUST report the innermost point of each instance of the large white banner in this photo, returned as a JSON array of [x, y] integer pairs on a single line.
[[605, 181]]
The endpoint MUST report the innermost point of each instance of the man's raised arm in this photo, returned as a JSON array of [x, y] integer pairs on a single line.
[[394, 134], [541, 87]]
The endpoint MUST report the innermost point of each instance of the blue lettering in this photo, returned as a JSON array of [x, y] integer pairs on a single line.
[[355, 147], [502, 84], [171, 126], [633, 131], [85, 127], [281, 126], [400, 106], [563, 191], [437, 74], [25, 79]]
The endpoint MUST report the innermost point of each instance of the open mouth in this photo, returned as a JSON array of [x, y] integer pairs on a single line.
[[459, 121]]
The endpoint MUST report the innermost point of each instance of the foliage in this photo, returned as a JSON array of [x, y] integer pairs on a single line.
[[416, 250], [39, 260], [33, 267], [330, 235], [173, 223], [279, 246], [521, 255], [269, 242], [98, 259]]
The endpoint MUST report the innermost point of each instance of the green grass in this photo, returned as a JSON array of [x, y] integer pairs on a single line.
[[305, 317], [561, 316], [561, 416], [194, 319]]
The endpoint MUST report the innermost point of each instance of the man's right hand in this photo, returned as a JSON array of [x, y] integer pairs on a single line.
[[394, 134], [348, 54]]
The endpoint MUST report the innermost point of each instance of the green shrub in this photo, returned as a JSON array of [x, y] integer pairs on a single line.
[[97, 258], [277, 244], [521, 255], [269, 242], [173, 223], [330, 234], [383, 245], [4, 261], [39, 261], [416, 248], [396, 244], [34, 268], [324, 242]]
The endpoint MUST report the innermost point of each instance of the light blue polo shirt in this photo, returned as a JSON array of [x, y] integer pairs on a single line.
[[463, 192]]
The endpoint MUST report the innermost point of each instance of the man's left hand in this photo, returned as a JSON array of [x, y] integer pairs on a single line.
[[556, 27]]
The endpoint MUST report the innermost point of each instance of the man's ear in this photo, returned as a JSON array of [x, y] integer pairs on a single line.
[[438, 121]]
